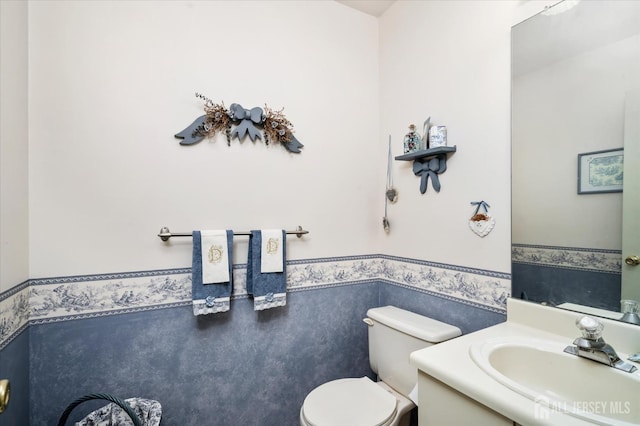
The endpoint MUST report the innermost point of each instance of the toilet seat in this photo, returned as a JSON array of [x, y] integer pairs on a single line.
[[354, 402]]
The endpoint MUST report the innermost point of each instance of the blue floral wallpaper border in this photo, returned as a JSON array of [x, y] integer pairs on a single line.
[[66, 298], [587, 259], [14, 312]]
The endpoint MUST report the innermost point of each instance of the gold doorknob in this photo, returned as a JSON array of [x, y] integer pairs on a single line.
[[5, 390], [632, 260]]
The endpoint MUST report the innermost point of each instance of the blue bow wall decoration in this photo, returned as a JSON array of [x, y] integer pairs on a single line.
[[480, 204], [253, 122], [430, 168], [247, 118]]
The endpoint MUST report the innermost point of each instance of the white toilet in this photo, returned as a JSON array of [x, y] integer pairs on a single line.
[[393, 334]]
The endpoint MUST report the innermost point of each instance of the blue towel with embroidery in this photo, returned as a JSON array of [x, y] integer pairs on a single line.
[[210, 298], [269, 290]]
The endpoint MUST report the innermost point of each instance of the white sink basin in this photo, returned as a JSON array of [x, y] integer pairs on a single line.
[[557, 381]]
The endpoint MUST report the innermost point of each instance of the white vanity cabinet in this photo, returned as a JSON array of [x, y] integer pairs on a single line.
[[455, 388], [442, 405]]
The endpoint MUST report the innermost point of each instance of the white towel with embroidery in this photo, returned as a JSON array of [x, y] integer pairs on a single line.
[[215, 258], [271, 256]]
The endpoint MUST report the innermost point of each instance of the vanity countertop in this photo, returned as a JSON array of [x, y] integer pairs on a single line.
[[450, 362]]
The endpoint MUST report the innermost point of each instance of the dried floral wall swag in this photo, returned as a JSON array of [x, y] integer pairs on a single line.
[[238, 122], [481, 223]]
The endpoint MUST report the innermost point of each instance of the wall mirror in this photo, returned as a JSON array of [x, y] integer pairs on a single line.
[[576, 98]]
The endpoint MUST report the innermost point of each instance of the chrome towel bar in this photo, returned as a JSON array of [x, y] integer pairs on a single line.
[[165, 233]]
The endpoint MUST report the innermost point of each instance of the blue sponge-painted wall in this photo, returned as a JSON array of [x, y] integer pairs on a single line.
[[134, 334], [555, 275], [466, 318], [14, 365], [236, 368]]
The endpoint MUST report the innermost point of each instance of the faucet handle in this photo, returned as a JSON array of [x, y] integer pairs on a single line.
[[590, 327]]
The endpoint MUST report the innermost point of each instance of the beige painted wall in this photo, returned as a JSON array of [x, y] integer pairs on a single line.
[[14, 208], [111, 82], [450, 60]]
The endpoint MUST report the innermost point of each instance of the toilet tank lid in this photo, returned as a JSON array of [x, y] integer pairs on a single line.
[[413, 324]]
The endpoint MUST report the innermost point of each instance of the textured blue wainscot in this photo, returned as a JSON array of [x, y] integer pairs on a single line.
[[466, 317], [556, 285], [14, 365], [555, 275], [236, 368], [135, 335]]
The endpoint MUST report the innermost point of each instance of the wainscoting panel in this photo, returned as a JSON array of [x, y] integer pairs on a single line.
[[236, 368], [554, 286], [14, 365], [134, 334], [556, 275], [467, 317]]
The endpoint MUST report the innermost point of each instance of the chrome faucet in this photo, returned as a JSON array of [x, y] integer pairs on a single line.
[[591, 345]]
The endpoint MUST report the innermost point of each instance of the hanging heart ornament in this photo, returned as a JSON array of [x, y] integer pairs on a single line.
[[392, 195], [481, 223], [482, 227]]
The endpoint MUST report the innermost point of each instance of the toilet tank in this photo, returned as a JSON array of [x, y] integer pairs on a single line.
[[393, 334]]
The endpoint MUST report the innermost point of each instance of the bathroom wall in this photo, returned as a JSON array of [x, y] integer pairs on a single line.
[[135, 334], [449, 61], [109, 85], [14, 236], [129, 334], [556, 275], [239, 367], [14, 366], [112, 82]]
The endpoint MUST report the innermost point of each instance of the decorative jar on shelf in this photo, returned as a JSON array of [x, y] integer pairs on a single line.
[[411, 140]]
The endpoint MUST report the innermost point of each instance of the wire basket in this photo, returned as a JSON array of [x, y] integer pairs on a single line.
[[119, 402]]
